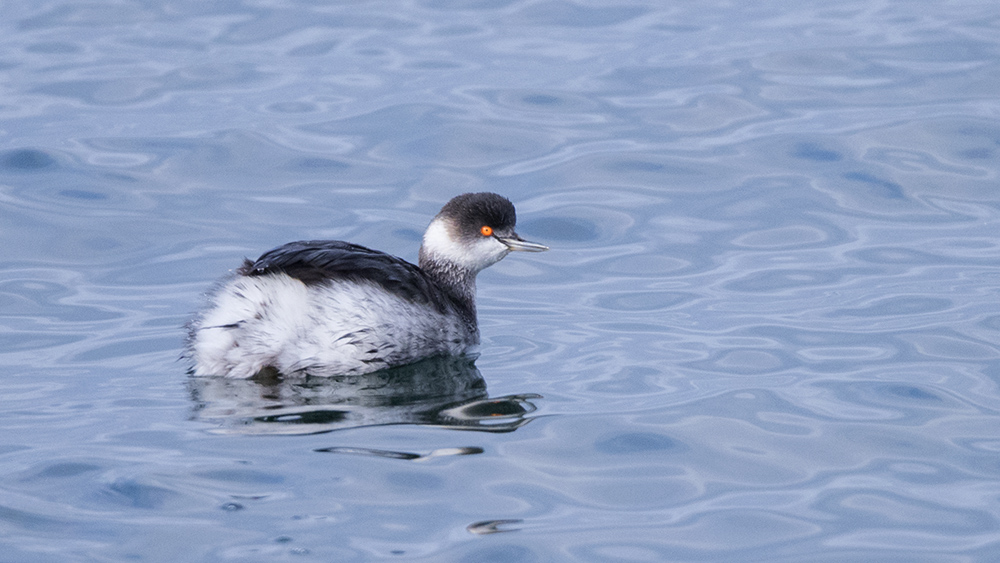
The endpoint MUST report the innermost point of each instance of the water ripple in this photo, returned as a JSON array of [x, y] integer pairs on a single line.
[[767, 328]]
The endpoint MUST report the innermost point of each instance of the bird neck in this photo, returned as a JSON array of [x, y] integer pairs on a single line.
[[458, 282]]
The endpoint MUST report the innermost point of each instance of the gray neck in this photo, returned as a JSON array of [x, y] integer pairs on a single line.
[[458, 282]]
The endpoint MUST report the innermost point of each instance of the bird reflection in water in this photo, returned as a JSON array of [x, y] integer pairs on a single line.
[[444, 391]]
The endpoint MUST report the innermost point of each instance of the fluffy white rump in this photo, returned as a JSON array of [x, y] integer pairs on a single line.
[[335, 328]]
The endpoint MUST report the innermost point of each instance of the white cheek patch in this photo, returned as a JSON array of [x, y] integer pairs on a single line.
[[439, 243]]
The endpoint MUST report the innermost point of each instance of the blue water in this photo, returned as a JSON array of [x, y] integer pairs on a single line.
[[767, 329]]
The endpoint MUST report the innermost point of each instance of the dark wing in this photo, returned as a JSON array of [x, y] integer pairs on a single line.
[[318, 261]]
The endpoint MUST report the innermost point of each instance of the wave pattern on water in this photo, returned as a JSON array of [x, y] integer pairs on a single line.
[[768, 328]]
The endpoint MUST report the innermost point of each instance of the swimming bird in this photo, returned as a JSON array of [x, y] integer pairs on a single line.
[[328, 307]]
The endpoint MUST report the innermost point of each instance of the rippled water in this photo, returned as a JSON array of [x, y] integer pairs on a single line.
[[767, 331]]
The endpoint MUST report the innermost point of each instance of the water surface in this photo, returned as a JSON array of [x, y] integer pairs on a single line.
[[767, 328]]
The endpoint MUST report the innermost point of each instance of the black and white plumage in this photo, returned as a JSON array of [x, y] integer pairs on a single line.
[[333, 308]]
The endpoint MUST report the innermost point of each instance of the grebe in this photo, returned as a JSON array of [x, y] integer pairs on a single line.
[[330, 308]]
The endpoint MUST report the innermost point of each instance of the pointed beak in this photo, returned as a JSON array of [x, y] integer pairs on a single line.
[[514, 242]]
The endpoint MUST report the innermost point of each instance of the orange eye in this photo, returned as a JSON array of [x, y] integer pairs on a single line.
[[486, 230]]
